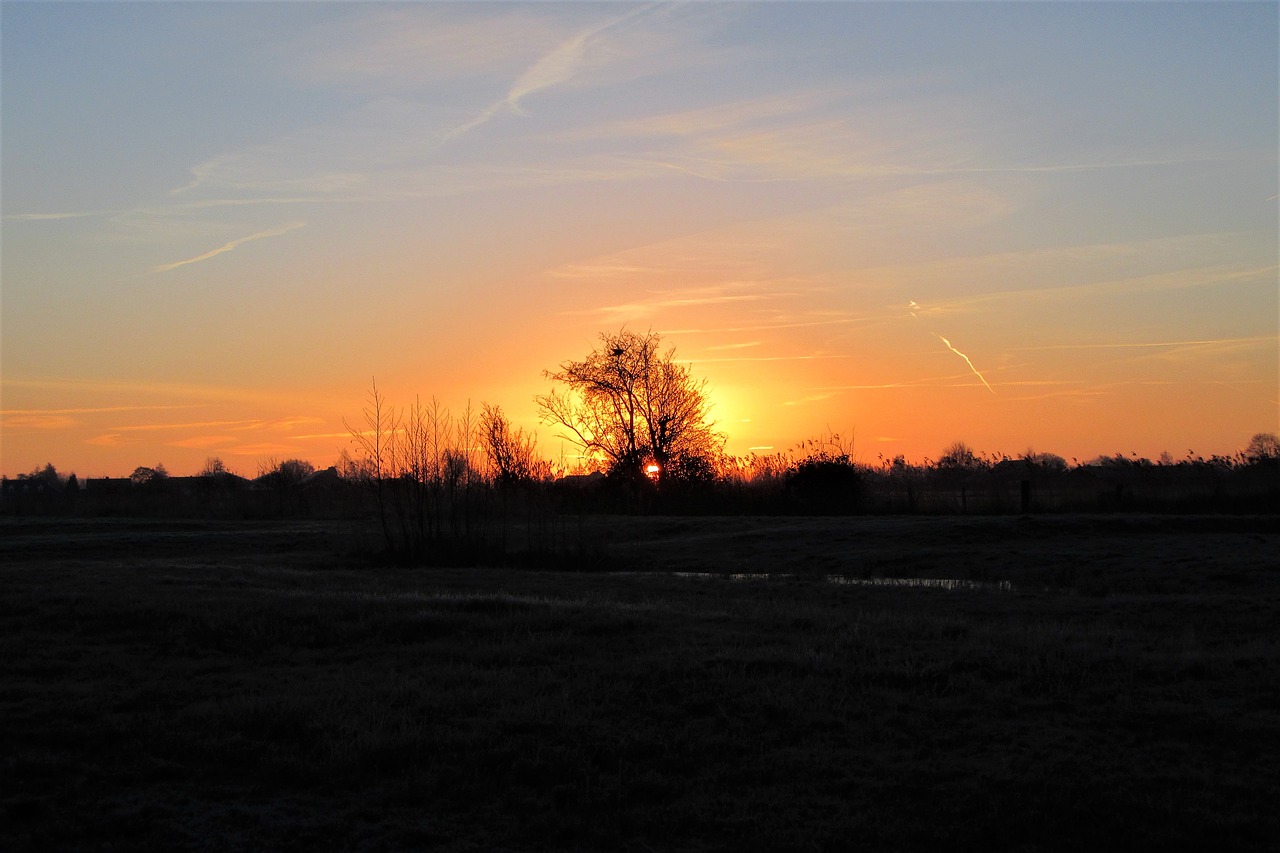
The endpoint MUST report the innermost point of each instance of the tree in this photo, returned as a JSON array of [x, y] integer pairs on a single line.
[[48, 475], [959, 456], [631, 404], [1264, 447], [512, 453], [144, 476], [284, 477], [214, 467]]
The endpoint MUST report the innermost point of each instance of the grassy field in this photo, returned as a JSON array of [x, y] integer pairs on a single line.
[[1095, 682]]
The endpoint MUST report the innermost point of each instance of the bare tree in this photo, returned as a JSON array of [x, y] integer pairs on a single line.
[[421, 465], [634, 405], [511, 453], [959, 456], [375, 443], [214, 467]]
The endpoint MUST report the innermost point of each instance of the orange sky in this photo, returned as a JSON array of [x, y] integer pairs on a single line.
[[1017, 226]]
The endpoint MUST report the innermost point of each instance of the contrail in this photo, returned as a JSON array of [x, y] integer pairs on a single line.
[[275, 232], [966, 361], [913, 306], [558, 66]]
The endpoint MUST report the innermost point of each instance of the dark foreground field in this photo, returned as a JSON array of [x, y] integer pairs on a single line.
[[1097, 682]]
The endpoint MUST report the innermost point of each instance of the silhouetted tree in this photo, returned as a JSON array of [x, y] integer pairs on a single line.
[[422, 466], [634, 405], [214, 467], [512, 454], [959, 456], [47, 475], [1263, 448], [144, 476]]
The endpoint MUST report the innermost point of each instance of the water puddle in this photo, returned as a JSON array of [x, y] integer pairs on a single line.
[[848, 580], [920, 583]]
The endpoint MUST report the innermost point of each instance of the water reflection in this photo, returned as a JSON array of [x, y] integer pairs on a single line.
[[923, 583], [850, 580]]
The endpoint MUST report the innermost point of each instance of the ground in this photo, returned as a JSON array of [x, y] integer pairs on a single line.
[[692, 684]]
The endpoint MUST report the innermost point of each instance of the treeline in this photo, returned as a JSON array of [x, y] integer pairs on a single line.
[[435, 486], [431, 481]]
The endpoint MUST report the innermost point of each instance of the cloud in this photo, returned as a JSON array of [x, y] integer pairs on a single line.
[[113, 439], [89, 410], [733, 359], [812, 398], [274, 232], [38, 421], [137, 389], [412, 47], [722, 347], [1215, 342], [203, 442], [558, 66], [764, 327], [264, 449], [648, 308], [46, 217], [198, 425]]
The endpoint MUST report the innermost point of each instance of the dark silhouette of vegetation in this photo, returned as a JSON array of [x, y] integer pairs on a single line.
[[512, 453], [421, 467], [632, 405], [144, 476], [1263, 449], [473, 488]]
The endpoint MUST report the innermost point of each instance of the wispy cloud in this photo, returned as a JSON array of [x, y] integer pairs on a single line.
[[91, 410], [203, 442], [46, 217], [641, 310], [732, 359], [261, 235], [196, 425], [764, 327], [38, 421], [812, 398], [722, 347], [264, 449], [1081, 271], [1208, 342], [556, 67]]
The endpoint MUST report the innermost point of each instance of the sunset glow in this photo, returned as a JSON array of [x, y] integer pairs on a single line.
[[1048, 226]]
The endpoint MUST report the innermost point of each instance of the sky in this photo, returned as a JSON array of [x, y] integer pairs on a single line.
[[1026, 226]]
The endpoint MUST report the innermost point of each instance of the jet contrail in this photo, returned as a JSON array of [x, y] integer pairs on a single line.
[[558, 66], [275, 232], [914, 307], [966, 361]]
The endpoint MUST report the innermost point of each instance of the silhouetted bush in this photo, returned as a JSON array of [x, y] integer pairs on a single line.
[[826, 485]]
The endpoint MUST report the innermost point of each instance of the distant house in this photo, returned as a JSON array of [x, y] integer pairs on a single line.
[[29, 487], [37, 494]]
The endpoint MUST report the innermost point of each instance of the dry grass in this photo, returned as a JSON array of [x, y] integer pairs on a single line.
[[214, 687]]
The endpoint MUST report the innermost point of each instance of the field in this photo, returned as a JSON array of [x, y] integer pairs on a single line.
[[1009, 683]]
